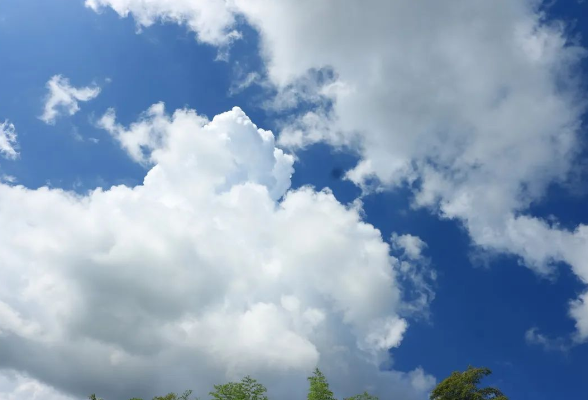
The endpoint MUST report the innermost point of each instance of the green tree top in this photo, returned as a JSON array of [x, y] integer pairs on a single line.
[[247, 389], [363, 396], [174, 396], [319, 387], [464, 386], [458, 386]]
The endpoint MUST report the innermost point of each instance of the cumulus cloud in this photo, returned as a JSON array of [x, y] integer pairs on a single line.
[[211, 20], [209, 270], [8, 143], [14, 386], [62, 98], [478, 113]]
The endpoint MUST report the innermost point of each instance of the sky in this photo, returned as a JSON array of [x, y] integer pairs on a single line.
[[192, 191]]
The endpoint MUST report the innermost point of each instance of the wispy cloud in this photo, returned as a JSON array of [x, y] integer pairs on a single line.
[[63, 98], [8, 143], [534, 337]]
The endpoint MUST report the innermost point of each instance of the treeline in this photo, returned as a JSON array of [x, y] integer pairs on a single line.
[[458, 386]]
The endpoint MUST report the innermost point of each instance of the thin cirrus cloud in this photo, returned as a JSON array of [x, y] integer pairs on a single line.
[[535, 338], [214, 265], [474, 105], [8, 140], [63, 98]]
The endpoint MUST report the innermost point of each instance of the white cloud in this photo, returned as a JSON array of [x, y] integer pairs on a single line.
[[415, 268], [534, 337], [478, 113], [579, 311], [412, 246], [209, 270], [15, 386], [243, 81], [236, 149], [474, 105], [8, 143], [211, 20], [63, 98], [8, 178]]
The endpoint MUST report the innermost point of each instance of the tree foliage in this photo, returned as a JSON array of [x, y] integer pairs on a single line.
[[363, 396], [247, 389], [319, 387], [464, 386], [174, 396], [458, 386]]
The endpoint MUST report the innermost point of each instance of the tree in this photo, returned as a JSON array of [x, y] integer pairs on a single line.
[[464, 386], [363, 396], [319, 387], [174, 396], [247, 389], [458, 386]]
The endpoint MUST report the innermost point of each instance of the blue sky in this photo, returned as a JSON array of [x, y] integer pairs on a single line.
[[489, 294]]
